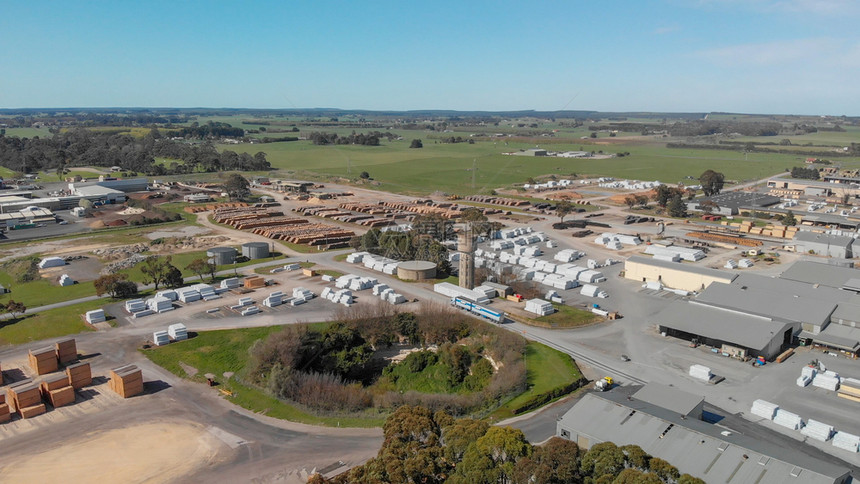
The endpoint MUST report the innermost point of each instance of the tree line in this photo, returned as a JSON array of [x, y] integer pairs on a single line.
[[82, 147], [371, 138], [421, 446], [804, 173]]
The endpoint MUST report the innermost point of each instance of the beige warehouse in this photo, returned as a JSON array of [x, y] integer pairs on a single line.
[[674, 274]]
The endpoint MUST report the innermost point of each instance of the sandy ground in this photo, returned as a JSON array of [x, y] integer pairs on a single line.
[[160, 452]]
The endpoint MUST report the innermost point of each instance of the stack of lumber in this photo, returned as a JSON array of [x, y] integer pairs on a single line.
[[254, 282], [26, 397], [849, 389], [214, 206], [5, 416], [727, 239], [269, 221], [127, 381], [67, 351], [371, 208], [376, 222], [79, 375], [311, 234], [508, 202], [57, 391], [43, 360], [1, 374]]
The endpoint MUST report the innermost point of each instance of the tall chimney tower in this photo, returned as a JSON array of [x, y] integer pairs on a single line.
[[466, 248]]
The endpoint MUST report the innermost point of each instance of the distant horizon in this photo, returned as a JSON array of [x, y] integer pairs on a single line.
[[737, 56]]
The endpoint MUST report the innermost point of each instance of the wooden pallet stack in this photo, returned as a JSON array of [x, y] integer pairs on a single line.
[[26, 397], [1, 374], [67, 351], [127, 381], [269, 221], [254, 282], [79, 375], [5, 415], [43, 360], [57, 391]]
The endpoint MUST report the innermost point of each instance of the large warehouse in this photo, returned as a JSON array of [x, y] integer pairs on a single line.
[[674, 274], [838, 246], [694, 446]]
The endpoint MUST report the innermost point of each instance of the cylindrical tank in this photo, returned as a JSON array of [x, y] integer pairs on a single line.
[[416, 270], [222, 255], [255, 250]]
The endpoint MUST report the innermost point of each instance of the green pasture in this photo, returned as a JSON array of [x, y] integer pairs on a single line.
[[46, 324]]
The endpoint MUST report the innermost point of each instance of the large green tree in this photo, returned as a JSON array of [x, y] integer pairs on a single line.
[[712, 182], [236, 186]]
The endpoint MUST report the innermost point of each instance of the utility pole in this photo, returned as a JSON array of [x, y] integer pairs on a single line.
[[474, 170]]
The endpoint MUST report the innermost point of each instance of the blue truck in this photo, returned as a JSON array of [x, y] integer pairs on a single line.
[[477, 309]]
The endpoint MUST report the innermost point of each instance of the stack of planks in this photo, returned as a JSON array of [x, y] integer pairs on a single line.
[[79, 375], [67, 351], [127, 381], [26, 397], [5, 415], [726, 239], [57, 391], [43, 360]]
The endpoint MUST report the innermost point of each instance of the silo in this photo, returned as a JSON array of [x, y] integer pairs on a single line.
[[222, 255], [255, 250]]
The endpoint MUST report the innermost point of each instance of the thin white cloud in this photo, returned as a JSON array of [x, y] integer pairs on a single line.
[[775, 53], [824, 8], [666, 30]]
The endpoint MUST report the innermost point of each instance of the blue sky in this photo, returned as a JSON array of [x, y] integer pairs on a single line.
[[763, 56]]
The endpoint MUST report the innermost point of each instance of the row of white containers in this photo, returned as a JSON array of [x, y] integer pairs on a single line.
[[539, 307], [374, 262], [812, 428], [675, 253]]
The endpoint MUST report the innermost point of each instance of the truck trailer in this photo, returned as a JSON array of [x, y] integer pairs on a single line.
[[477, 309]]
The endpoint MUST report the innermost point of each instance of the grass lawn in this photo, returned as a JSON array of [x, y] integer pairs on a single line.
[[546, 369], [42, 292], [183, 259], [222, 351], [47, 324], [569, 317]]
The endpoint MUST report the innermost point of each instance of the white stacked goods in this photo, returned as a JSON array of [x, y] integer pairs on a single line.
[[700, 372], [550, 295], [787, 419], [817, 430], [653, 285], [529, 262], [745, 263], [570, 270], [590, 276], [206, 291], [292, 267], [680, 292], [764, 409], [159, 304], [685, 253], [502, 244], [383, 295], [487, 291], [51, 262], [302, 293], [808, 371], [846, 441], [277, 270], [591, 290], [325, 292], [273, 300], [140, 314], [160, 338], [243, 302], [567, 255], [592, 264], [625, 239], [390, 268], [532, 252], [177, 332], [362, 283], [377, 289], [731, 264], [525, 274], [668, 257], [356, 257], [343, 281], [559, 281], [297, 300], [250, 311], [169, 294], [395, 298], [827, 380], [135, 305], [614, 245], [539, 307], [803, 381], [551, 244], [327, 278], [479, 252], [541, 237], [230, 283], [610, 262], [450, 290], [65, 280], [95, 316], [187, 295], [539, 276], [599, 311]]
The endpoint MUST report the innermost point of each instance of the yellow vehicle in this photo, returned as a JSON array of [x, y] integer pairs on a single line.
[[603, 384]]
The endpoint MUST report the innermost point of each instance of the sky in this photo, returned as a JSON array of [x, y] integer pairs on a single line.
[[747, 56]]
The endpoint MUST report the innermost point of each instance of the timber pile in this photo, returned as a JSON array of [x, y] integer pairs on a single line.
[[43, 360], [234, 217], [727, 239], [5, 416], [310, 234], [371, 208], [57, 391], [445, 210], [79, 375], [508, 202], [127, 381], [26, 398], [269, 221], [67, 351], [376, 222], [1, 374]]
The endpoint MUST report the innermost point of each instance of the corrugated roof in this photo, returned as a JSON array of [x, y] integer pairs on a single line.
[[754, 332], [693, 446], [680, 266], [824, 239], [817, 273], [669, 398]]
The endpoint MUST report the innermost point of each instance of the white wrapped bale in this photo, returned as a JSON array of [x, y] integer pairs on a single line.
[[160, 338], [788, 420], [95, 316], [700, 372], [817, 430], [803, 381], [764, 409], [846, 441], [177, 332]]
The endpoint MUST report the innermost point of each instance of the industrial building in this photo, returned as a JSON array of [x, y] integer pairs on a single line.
[[673, 274], [732, 203], [125, 185], [830, 186], [828, 245], [829, 275], [31, 215], [666, 423]]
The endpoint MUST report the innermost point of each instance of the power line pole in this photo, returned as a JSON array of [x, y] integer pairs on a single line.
[[474, 170]]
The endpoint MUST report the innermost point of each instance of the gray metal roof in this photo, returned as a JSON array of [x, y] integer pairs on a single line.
[[680, 266], [669, 398], [827, 218], [837, 335], [823, 239], [787, 288], [817, 273], [693, 446], [797, 306], [754, 332]]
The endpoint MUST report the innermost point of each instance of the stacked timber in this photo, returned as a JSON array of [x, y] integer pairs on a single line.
[[508, 202], [43, 360], [310, 234], [57, 390], [79, 375], [726, 239], [5, 415], [269, 221], [67, 351], [26, 397], [1, 374], [126, 381]]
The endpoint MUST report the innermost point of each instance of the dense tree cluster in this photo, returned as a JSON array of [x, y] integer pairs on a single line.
[[115, 285], [805, 173], [82, 147], [704, 128], [365, 139], [712, 182], [424, 447], [334, 369], [210, 130]]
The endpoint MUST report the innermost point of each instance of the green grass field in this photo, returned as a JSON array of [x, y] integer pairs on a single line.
[[47, 324], [42, 292], [547, 369], [568, 317]]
